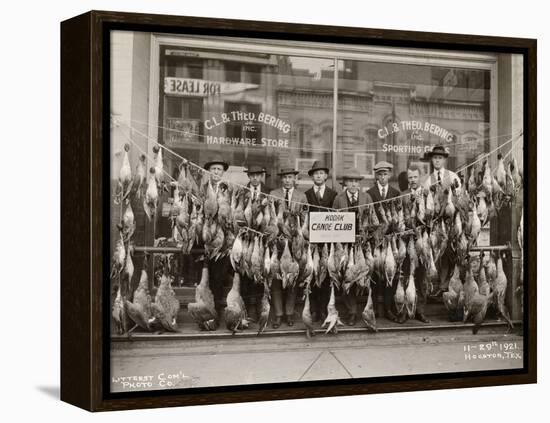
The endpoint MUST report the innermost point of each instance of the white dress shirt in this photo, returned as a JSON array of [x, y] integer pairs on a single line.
[[321, 190], [380, 187], [350, 196]]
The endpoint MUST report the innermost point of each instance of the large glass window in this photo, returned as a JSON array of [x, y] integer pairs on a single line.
[[271, 110], [397, 112]]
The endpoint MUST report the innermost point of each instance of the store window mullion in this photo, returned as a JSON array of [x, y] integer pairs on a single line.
[[334, 122]]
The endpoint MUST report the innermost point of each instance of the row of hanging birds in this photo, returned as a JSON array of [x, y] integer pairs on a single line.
[[265, 240], [477, 287]]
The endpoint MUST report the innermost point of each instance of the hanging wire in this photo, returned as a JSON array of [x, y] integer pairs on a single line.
[[201, 169]]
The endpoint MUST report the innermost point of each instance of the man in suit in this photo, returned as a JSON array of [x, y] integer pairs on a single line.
[[216, 167], [252, 292], [440, 176], [442, 179], [380, 192], [255, 175], [350, 200], [294, 202], [319, 197], [220, 271], [415, 190]]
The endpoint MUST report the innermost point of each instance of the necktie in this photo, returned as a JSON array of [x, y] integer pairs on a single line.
[[318, 194], [255, 195], [287, 197], [383, 193], [439, 177], [354, 199]]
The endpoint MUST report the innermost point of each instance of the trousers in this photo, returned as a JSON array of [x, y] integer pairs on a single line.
[[283, 300]]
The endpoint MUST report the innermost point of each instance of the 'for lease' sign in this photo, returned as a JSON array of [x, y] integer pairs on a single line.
[[332, 227]]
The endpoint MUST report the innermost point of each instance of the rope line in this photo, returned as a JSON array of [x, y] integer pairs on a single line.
[[372, 204]]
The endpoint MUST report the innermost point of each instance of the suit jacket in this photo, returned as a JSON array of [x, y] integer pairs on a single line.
[[341, 202], [375, 195], [297, 196], [263, 188], [447, 178], [328, 199]]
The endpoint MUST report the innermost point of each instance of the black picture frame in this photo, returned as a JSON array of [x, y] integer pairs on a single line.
[[85, 260]]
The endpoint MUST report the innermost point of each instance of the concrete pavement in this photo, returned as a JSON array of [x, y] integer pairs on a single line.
[[183, 363]]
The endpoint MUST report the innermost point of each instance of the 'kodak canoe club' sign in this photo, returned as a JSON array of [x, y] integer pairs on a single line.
[[332, 227], [248, 122], [416, 127]]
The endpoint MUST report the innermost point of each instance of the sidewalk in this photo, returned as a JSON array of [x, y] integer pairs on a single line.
[[182, 363]]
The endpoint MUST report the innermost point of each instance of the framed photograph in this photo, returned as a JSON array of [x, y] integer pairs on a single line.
[[303, 166], [364, 162], [187, 272]]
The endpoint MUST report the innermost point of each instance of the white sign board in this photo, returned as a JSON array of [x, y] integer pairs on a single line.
[[203, 88], [332, 227]]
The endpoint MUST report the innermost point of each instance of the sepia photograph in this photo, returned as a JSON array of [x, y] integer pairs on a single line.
[[296, 211]]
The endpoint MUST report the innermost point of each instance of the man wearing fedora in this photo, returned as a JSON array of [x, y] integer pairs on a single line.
[[320, 197], [350, 200], [255, 175], [380, 192], [216, 167], [442, 179], [295, 202], [440, 176], [220, 271], [252, 292], [415, 190]]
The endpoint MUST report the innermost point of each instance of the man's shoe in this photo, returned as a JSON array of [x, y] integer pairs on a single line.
[[276, 322], [438, 293], [390, 316], [402, 318], [351, 320], [289, 320], [422, 318]]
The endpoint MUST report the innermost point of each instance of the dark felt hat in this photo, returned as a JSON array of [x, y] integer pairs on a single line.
[[287, 171], [438, 150], [317, 165], [352, 174], [216, 160], [255, 169]]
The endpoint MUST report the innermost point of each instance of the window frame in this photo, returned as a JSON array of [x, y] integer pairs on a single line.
[[396, 55]]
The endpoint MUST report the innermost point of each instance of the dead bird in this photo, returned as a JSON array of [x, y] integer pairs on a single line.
[[166, 306], [139, 310], [203, 310], [332, 319], [306, 313], [266, 308], [235, 310], [368, 315]]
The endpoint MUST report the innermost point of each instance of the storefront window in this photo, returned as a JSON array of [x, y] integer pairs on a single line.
[[397, 112], [271, 110], [279, 111]]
